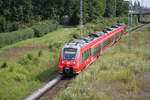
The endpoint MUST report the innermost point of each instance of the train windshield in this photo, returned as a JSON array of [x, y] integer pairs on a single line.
[[69, 53]]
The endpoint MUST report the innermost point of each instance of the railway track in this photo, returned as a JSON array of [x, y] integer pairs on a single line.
[[63, 83], [48, 91]]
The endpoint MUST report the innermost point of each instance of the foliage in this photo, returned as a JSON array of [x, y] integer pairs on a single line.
[[116, 8], [42, 29], [40, 53], [23, 61], [26, 33], [19, 80], [4, 65], [2, 23], [26, 11], [12, 37], [30, 56]]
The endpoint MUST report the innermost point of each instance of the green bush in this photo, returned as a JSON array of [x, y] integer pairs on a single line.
[[4, 65], [35, 61], [19, 77], [30, 56], [40, 53], [52, 24], [3, 24], [12, 37], [42, 29], [57, 44], [23, 61]]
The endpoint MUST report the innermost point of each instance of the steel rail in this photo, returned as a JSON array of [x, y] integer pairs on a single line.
[[36, 94]]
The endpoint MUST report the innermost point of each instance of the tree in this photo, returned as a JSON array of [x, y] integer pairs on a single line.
[[2, 24], [110, 8], [122, 7], [94, 9]]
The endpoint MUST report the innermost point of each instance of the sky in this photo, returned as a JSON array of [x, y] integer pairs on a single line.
[[146, 3]]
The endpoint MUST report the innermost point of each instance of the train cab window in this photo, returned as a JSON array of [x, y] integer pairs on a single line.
[[69, 53]]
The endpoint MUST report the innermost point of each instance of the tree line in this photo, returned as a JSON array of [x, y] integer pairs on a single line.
[[16, 12]]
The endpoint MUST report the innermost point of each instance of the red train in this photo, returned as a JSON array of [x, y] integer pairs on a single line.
[[79, 53]]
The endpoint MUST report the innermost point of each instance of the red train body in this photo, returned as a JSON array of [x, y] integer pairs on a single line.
[[78, 54]]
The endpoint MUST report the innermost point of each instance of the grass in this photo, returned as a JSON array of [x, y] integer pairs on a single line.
[[26, 65], [21, 74], [114, 76]]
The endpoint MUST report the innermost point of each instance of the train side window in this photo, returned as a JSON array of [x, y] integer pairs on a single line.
[[82, 59], [117, 35], [86, 54], [90, 51], [101, 45], [105, 43], [113, 38], [109, 40], [120, 33]]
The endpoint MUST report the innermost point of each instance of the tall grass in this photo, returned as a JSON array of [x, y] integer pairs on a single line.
[[114, 75], [21, 75], [26, 73]]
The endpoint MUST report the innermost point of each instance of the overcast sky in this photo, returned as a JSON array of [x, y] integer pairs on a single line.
[[146, 3]]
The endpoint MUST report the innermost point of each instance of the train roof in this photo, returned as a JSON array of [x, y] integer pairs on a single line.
[[78, 43]]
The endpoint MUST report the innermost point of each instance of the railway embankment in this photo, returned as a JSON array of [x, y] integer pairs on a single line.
[[119, 74], [27, 65]]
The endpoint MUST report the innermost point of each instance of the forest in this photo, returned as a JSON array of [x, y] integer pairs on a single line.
[[16, 14]]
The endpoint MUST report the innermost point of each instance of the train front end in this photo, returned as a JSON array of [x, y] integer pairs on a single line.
[[68, 60]]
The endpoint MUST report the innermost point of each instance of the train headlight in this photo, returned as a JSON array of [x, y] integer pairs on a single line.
[[74, 62], [62, 62]]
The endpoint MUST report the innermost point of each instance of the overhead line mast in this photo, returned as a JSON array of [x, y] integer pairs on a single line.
[[81, 17], [130, 24]]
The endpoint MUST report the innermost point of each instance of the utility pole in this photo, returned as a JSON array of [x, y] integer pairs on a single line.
[[142, 3], [129, 24], [115, 8], [81, 17]]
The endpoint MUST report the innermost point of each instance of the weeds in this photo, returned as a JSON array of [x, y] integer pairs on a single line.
[[4, 65], [36, 61], [23, 61], [29, 56], [19, 77], [40, 53], [27, 73], [113, 76]]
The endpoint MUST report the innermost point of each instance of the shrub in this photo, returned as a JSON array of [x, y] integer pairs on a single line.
[[23, 61], [30, 56], [3, 24], [57, 44], [40, 53], [52, 24], [4, 65], [36, 61], [20, 70], [74, 35], [19, 77], [42, 29], [12, 37]]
